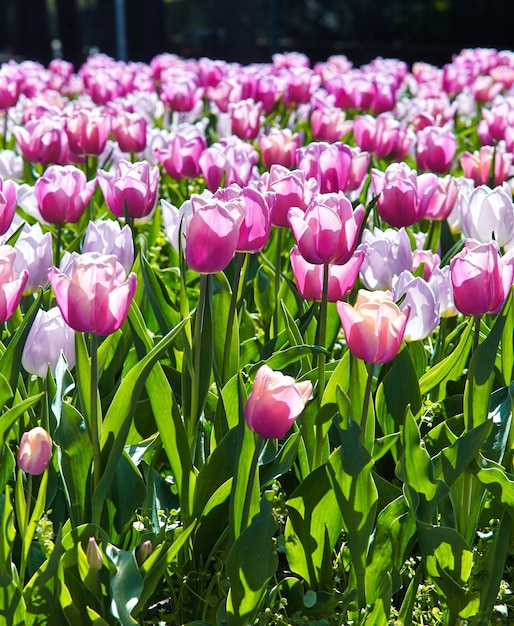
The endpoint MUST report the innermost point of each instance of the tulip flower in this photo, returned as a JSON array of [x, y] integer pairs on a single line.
[[42, 141], [35, 451], [129, 130], [87, 131], [489, 215], [180, 157], [327, 231], [93, 292], [329, 164], [374, 327], [48, 338], [108, 237], [275, 402], [285, 189], [477, 165], [309, 277], [279, 147], [12, 285], [133, 188], [245, 118], [420, 297], [209, 228], [94, 555], [232, 159], [378, 135], [435, 149], [8, 204], [388, 253], [62, 193], [481, 279], [329, 124]]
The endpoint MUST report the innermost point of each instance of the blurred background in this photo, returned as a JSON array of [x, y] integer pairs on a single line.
[[252, 30]]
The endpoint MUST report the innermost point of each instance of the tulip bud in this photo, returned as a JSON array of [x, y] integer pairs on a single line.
[[275, 402], [94, 555], [35, 451], [143, 551]]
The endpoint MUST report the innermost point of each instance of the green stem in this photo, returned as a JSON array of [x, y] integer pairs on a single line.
[[251, 479], [365, 406], [240, 258], [95, 426], [321, 341], [58, 244], [5, 129], [278, 269], [197, 357], [26, 522]]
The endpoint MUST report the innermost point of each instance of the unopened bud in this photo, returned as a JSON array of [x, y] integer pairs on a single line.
[[143, 551], [94, 555]]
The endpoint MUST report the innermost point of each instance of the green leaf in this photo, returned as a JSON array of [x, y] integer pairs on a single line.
[[398, 390], [126, 584], [507, 345], [349, 469], [452, 367], [500, 483], [221, 298], [251, 563], [313, 528], [7, 536], [481, 376], [11, 415], [264, 293]]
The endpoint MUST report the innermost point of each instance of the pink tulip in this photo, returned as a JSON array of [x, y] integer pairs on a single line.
[[329, 164], [87, 131], [477, 165], [275, 402], [279, 147], [329, 124], [328, 230], [285, 189], [209, 228], [129, 130], [8, 204], [62, 193], [301, 84], [245, 118], [12, 285], [441, 202], [180, 90], [35, 451], [481, 279], [403, 196], [435, 149], [42, 141], [11, 80], [309, 277], [181, 157], [48, 338], [255, 226], [374, 327], [133, 188], [378, 135], [358, 169], [93, 292], [231, 159]]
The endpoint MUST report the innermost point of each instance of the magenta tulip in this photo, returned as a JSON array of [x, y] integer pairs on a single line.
[[180, 158], [328, 230], [12, 285], [62, 193], [481, 279], [133, 188], [129, 130], [8, 203], [93, 292], [275, 403], [309, 277], [435, 149], [328, 163], [87, 131], [374, 327], [35, 451]]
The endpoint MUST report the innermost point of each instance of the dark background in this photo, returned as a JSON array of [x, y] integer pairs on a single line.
[[251, 30]]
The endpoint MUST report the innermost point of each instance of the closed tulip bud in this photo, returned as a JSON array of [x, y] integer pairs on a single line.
[[481, 279], [35, 451], [93, 292], [374, 327], [87, 131], [143, 551], [94, 555], [279, 147], [62, 193], [275, 403], [435, 149], [48, 338], [133, 188], [129, 130], [328, 163], [33, 254]]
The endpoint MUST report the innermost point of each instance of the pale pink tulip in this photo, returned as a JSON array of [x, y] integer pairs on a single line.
[[35, 451]]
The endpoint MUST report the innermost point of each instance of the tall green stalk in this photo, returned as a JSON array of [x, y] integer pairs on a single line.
[[197, 358], [240, 259], [367, 439], [321, 341], [95, 425]]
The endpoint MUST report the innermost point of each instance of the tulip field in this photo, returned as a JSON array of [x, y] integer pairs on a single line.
[[257, 342]]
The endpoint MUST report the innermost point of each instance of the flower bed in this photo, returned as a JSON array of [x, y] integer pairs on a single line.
[[257, 344]]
